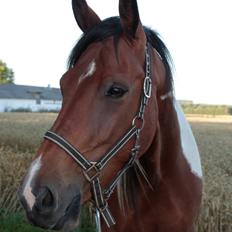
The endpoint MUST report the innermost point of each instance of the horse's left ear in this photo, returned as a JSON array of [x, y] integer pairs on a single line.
[[130, 20], [86, 18]]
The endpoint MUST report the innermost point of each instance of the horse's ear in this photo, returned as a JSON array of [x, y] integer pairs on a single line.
[[130, 20], [86, 18]]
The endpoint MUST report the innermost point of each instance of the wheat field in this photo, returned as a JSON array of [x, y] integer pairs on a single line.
[[21, 134]]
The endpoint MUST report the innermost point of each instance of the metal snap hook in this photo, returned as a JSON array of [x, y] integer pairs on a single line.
[[147, 87]]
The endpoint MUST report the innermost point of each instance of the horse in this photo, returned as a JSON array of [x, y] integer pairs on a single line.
[[121, 140]]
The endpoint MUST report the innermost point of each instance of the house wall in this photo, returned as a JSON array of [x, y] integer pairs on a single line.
[[12, 104]]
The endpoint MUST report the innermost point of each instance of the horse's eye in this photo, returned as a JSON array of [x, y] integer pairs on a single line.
[[115, 92]]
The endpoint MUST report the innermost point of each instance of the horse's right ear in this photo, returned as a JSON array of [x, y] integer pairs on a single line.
[[86, 18]]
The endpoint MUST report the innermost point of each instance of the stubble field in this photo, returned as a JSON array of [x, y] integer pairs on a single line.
[[21, 134]]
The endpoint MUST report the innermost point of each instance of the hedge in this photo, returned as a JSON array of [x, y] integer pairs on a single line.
[[207, 109]]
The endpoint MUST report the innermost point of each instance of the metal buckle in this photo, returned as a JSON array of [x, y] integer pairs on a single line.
[[147, 87], [92, 173]]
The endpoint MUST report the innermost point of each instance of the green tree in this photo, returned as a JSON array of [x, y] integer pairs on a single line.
[[6, 74]]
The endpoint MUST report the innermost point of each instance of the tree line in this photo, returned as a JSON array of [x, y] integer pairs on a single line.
[[207, 109]]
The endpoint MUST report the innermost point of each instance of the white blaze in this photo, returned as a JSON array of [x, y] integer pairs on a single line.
[[90, 71], [188, 142], [27, 192]]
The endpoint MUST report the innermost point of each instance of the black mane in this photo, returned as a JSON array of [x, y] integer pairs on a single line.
[[112, 27]]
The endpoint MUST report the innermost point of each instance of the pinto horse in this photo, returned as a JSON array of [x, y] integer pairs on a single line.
[[120, 140]]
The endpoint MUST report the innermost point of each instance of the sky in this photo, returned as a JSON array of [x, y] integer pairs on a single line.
[[36, 38]]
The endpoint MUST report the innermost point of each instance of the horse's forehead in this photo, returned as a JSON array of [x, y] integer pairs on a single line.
[[105, 59], [106, 52], [92, 52]]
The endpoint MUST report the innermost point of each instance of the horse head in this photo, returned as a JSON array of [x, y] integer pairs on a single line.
[[102, 93]]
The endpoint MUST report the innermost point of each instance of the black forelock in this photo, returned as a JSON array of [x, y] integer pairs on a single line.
[[112, 27], [107, 28]]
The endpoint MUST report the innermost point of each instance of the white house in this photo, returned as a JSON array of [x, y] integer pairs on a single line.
[[15, 97]]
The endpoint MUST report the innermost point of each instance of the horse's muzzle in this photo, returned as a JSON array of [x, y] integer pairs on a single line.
[[51, 212]]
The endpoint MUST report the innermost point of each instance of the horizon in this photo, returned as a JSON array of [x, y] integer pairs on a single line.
[[198, 35]]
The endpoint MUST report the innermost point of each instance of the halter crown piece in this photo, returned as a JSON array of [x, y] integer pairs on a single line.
[[92, 170]]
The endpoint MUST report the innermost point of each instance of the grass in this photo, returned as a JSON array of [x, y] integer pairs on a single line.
[[16, 222], [21, 134], [24, 131], [215, 144]]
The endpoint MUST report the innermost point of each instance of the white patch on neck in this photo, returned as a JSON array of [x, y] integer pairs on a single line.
[[188, 142], [165, 96], [90, 71], [27, 192]]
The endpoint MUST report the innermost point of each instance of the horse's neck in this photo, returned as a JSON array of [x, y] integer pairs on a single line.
[[160, 159], [165, 151], [178, 143], [169, 134]]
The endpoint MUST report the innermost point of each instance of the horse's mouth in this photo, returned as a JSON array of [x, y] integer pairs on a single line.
[[70, 219]]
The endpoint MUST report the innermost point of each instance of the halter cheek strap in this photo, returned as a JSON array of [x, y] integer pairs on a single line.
[[92, 170]]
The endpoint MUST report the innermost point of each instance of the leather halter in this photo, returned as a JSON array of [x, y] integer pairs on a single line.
[[92, 170]]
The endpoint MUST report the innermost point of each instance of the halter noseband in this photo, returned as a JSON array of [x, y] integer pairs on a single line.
[[92, 170]]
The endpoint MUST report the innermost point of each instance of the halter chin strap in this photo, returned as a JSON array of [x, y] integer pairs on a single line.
[[92, 170]]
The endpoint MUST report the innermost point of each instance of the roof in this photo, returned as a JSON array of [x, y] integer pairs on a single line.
[[13, 91]]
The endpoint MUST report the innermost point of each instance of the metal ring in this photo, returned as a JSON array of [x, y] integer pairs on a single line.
[[138, 122]]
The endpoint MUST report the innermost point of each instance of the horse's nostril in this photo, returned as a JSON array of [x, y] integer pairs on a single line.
[[48, 199], [45, 201]]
